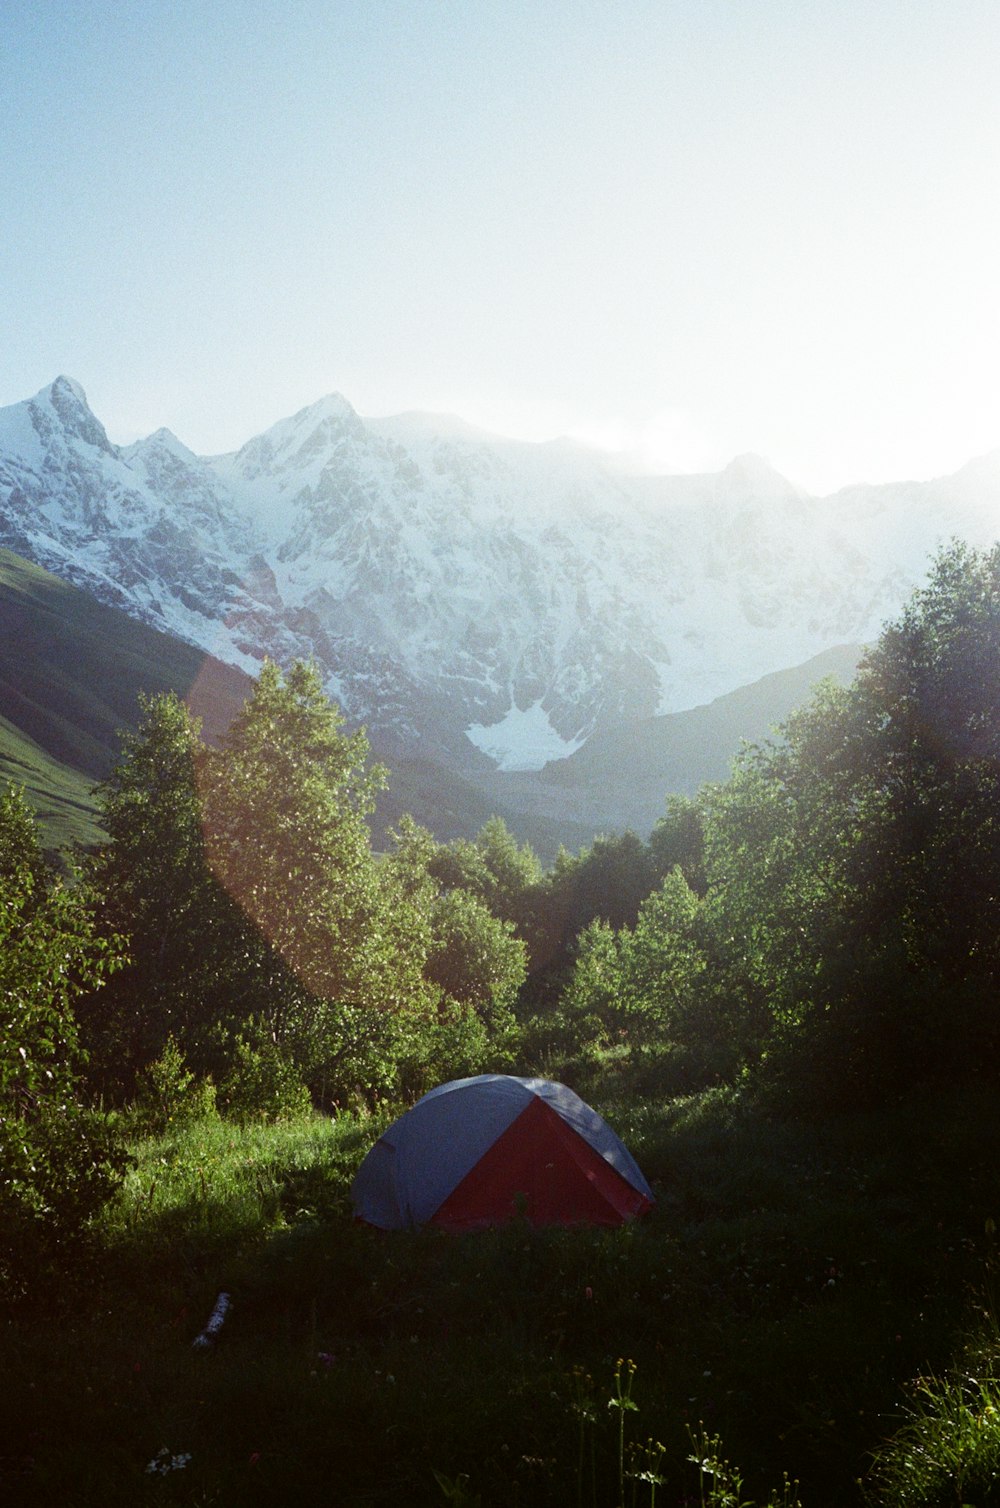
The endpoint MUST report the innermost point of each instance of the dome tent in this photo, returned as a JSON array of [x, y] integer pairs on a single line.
[[478, 1152]]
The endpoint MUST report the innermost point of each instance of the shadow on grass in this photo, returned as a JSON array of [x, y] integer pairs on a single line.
[[791, 1277]]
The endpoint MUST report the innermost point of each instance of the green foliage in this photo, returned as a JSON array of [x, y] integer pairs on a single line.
[[170, 1093], [263, 1082], [58, 1161], [606, 882], [285, 801], [244, 879], [59, 1164], [475, 957], [495, 868], [678, 840], [663, 962], [48, 955], [453, 1043], [22, 868], [268, 944], [591, 1004], [853, 865], [827, 921], [492, 866], [645, 992], [185, 938], [213, 1185], [948, 1450], [461, 1018]]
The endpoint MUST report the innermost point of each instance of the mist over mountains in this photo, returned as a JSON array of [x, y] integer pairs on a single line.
[[481, 604]]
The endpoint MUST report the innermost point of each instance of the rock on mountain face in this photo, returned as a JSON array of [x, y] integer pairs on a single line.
[[476, 600]]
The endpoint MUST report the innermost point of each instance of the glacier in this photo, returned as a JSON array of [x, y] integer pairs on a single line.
[[524, 739]]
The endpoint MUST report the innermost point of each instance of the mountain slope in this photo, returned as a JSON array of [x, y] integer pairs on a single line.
[[71, 670], [622, 776], [61, 796], [478, 603]]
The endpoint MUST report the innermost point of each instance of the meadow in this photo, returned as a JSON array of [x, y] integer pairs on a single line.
[[784, 1003], [803, 1292]]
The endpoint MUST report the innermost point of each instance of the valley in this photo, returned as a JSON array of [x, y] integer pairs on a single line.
[[527, 630]]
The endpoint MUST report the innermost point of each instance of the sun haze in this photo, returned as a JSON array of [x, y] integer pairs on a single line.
[[683, 229]]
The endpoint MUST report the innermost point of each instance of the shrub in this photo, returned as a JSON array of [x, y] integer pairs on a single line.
[[58, 1160], [57, 1169], [263, 1082], [171, 1093]]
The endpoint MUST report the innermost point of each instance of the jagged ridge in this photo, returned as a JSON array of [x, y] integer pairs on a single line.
[[464, 593]]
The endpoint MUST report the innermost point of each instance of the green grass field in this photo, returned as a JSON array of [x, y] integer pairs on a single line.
[[792, 1281]]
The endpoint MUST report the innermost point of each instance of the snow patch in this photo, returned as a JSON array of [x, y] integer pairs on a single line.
[[522, 740]]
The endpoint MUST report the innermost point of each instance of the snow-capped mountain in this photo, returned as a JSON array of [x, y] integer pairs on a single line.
[[469, 597]]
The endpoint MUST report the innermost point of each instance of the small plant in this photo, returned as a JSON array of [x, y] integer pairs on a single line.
[[456, 1490], [583, 1406], [57, 1171], [623, 1401], [646, 1462], [720, 1484], [170, 1094], [263, 1084]]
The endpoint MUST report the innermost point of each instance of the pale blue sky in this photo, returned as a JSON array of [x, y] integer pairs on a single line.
[[695, 228]]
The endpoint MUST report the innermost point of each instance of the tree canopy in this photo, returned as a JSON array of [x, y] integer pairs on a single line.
[[260, 922], [826, 921], [842, 913], [58, 1160]]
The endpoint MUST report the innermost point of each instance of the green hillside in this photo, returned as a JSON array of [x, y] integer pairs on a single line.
[[60, 795], [71, 671]]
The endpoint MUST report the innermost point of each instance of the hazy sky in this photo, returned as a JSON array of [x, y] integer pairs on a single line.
[[695, 228]]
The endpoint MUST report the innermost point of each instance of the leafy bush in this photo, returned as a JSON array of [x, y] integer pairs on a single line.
[[455, 1045], [58, 1160], [263, 1083], [58, 1167], [171, 1093]]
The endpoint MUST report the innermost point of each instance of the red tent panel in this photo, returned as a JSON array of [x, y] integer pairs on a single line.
[[544, 1170]]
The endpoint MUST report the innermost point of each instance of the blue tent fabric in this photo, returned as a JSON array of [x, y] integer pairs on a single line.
[[424, 1155]]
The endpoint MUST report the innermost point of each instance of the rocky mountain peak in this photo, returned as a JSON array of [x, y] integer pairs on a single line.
[[469, 598], [68, 402], [753, 475]]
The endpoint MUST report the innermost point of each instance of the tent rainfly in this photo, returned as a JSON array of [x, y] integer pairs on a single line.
[[482, 1151]]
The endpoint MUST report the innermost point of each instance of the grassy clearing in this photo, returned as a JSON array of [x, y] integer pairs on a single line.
[[790, 1281]]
